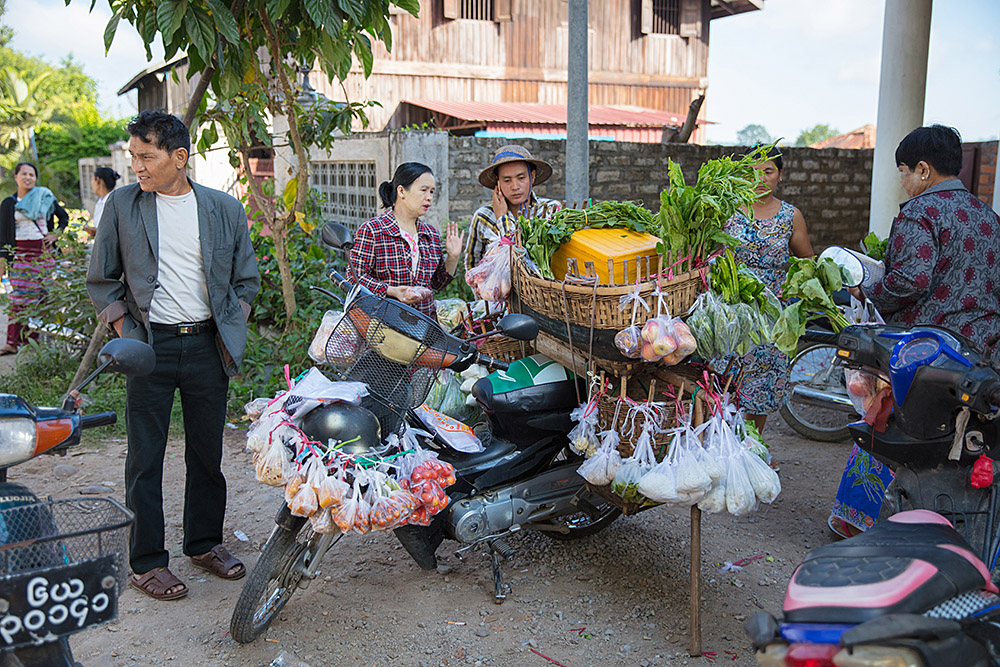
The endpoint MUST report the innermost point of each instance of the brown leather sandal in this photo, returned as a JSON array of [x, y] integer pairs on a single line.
[[157, 582], [220, 562]]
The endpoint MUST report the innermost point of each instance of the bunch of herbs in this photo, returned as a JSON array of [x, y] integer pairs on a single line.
[[812, 283], [693, 217]]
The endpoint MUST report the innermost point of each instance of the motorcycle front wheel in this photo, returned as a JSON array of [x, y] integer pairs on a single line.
[[272, 581], [818, 406]]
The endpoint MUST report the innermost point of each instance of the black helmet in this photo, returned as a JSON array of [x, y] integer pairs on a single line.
[[344, 422]]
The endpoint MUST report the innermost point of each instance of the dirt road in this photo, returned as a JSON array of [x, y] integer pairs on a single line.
[[617, 598]]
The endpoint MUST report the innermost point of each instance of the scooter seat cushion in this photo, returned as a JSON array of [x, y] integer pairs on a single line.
[[495, 448], [896, 567]]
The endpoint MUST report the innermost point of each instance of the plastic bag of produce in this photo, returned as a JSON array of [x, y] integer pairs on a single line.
[[863, 388], [693, 481], [628, 477], [304, 503], [657, 339], [660, 483], [740, 496], [322, 521], [629, 340], [601, 468], [255, 408], [490, 279], [453, 400], [451, 313], [336, 341], [332, 491], [344, 513], [714, 501], [273, 464], [583, 437], [764, 480]]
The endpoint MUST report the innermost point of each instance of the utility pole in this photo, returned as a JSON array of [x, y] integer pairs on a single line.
[[577, 125]]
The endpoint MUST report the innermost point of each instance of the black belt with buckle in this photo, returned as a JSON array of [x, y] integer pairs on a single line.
[[186, 328]]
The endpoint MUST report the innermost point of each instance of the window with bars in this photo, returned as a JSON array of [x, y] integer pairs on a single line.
[[349, 191], [477, 10], [666, 17]]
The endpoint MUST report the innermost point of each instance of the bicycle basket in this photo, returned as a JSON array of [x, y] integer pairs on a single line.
[[60, 532], [394, 350]]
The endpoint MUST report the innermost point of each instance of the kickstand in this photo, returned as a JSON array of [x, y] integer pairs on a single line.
[[501, 587]]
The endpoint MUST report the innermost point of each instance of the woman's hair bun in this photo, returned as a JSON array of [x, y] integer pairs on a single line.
[[387, 194]]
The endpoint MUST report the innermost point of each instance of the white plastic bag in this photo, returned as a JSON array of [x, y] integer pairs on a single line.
[[315, 388], [601, 468], [764, 480], [452, 432], [490, 279], [740, 496], [660, 483], [583, 436]]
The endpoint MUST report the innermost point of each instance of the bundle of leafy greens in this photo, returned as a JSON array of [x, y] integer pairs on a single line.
[[874, 247], [693, 217], [812, 283], [542, 236], [738, 313]]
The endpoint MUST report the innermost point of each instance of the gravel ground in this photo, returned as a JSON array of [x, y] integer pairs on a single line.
[[616, 598]]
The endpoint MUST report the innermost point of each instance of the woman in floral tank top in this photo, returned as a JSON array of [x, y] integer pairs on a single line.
[[776, 231]]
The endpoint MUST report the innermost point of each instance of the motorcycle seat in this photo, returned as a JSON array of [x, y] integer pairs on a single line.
[[495, 448], [906, 565]]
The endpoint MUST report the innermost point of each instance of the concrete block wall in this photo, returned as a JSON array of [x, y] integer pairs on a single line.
[[832, 187]]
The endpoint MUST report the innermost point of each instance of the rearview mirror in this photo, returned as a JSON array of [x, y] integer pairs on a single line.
[[518, 327], [337, 236], [128, 357], [856, 269]]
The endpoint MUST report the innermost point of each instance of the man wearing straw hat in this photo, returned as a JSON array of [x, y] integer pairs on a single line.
[[511, 175]]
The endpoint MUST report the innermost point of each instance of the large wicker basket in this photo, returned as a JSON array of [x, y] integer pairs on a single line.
[[585, 303], [506, 349]]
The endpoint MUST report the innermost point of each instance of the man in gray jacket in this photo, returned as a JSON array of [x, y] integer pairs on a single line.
[[172, 265]]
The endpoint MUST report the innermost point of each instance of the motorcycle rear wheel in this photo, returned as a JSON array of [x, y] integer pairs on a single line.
[[812, 367], [272, 581], [583, 524]]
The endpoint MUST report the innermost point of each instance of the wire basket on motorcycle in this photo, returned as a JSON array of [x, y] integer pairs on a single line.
[[396, 351]]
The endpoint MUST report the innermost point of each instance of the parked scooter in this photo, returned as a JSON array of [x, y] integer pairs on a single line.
[[913, 590], [524, 479], [62, 562]]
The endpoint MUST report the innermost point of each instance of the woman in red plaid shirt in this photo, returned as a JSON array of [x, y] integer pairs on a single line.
[[397, 254]]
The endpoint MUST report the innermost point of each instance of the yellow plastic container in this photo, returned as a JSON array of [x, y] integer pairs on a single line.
[[599, 245]]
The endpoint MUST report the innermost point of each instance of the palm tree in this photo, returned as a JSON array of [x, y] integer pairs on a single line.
[[23, 105]]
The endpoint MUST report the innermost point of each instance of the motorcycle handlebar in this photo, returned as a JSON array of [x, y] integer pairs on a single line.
[[814, 336], [490, 362], [99, 419]]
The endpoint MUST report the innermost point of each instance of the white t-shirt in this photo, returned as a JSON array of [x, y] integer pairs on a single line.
[[99, 210], [181, 293]]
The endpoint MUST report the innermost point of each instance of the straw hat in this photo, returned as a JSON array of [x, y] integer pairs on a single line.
[[514, 153]]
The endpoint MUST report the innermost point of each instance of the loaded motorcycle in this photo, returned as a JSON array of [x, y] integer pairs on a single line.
[[62, 562], [524, 479], [915, 590]]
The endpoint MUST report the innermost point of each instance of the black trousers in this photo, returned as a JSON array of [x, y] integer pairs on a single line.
[[192, 364]]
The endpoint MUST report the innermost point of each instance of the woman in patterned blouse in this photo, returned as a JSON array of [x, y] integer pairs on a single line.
[[775, 231], [941, 259], [399, 255]]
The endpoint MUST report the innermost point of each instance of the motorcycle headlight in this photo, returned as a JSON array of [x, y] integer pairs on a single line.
[[17, 440]]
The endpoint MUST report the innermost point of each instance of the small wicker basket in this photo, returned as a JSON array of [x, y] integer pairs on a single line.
[[506, 349]]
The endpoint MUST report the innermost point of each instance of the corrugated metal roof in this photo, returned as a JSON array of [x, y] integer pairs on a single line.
[[550, 114], [863, 137]]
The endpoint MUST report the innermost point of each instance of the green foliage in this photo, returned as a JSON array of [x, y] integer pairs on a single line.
[[752, 135], [693, 217], [542, 236], [272, 339], [812, 283], [874, 246], [66, 304], [82, 134], [815, 134]]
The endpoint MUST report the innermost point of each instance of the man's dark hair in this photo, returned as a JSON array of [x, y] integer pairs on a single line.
[[939, 146], [167, 131]]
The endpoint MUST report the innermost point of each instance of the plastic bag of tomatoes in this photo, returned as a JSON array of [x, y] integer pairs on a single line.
[[426, 477]]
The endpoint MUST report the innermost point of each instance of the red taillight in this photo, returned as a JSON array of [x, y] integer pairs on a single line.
[[811, 655]]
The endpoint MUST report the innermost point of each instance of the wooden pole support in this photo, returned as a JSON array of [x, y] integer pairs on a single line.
[[694, 630]]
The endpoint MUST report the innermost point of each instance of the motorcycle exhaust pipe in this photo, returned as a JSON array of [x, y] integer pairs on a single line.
[[822, 399]]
